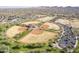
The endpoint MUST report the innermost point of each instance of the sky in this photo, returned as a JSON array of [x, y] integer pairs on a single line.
[[35, 3]]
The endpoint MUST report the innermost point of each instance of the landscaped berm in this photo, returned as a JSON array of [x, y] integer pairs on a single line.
[[38, 36], [14, 30], [48, 25]]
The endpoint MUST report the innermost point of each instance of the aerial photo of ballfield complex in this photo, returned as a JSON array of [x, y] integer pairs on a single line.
[[41, 29]]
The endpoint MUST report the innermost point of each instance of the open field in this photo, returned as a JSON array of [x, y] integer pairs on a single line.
[[75, 23], [31, 22], [44, 19], [63, 21]]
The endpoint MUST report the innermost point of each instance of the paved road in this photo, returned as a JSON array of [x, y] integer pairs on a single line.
[[2, 18]]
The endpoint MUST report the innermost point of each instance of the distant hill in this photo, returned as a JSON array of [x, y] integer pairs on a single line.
[[55, 9]]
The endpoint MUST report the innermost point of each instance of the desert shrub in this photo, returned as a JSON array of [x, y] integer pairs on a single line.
[[35, 51], [48, 49], [35, 45], [76, 50], [16, 47], [50, 43], [51, 30], [3, 48]]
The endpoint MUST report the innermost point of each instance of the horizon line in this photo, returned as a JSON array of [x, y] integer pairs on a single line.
[[32, 6]]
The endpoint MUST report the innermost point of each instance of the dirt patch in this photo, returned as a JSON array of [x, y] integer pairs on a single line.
[[37, 31], [44, 27], [48, 25], [11, 32]]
